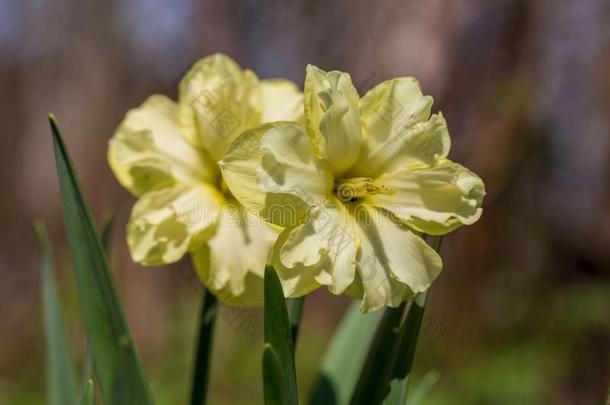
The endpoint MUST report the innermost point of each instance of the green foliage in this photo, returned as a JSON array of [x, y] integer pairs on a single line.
[[279, 374], [61, 376], [345, 357], [399, 384], [424, 386], [391, 354], [88, 393], [373, 383], [295, 312], [116, 361], [406, 353]]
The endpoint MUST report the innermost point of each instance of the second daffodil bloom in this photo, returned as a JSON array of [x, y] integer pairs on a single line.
[[166, 154], [354, 188]]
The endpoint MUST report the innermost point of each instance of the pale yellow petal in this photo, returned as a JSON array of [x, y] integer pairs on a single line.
[[331, 116], [231, 264], [218, 101], [298, 280], [434, 200], [399, 130], [149, 150], [273, 171], [325, 242], [166, 223], [363, 254], [281, 101], [393, 262]]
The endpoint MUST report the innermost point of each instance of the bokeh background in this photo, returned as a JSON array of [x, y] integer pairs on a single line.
[[521, 313]]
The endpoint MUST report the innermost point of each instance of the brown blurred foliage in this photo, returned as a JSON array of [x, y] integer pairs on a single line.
[[521, 313]]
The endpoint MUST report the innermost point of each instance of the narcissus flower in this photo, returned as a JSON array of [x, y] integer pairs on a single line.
[[166, 153], [354, 187]]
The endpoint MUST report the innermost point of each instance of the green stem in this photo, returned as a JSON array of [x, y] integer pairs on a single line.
[[414, 319], [295, 313], [201, 371], [381, 359]]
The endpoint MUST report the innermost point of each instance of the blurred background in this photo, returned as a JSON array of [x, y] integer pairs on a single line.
[[521, 313]]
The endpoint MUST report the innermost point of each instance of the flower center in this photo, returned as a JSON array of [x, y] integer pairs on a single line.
[[349, 190]]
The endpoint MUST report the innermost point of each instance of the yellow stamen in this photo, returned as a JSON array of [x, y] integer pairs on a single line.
[[357, 187]]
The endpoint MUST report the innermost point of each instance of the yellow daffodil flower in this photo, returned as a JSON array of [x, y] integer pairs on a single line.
[[354, 187], [166, 154]]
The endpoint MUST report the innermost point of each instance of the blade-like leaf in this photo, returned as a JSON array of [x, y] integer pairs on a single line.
[[87, 371], [424, 386], [345, 357], [279, 374], [61, 376], [373, 383], [201, 371], [295, 313], [408, 343], [107, 222], [116, 361], [391, 354], [88, 393], [404, 362]]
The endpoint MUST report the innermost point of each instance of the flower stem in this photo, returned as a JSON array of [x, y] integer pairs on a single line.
[[201, 371], [295, 313], [413, 322]]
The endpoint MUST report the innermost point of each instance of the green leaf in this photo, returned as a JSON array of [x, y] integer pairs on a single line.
[[116, 361], [279, 374], [88, 393], [345, 356], [87, 371], [391, 354], [404, 363], [295, 313], [61, 376], [201, 371], [107, 222], [373, 383], [408, 343], [424, 386]]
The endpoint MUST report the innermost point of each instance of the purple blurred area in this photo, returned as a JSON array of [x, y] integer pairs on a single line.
[[521, 313]]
